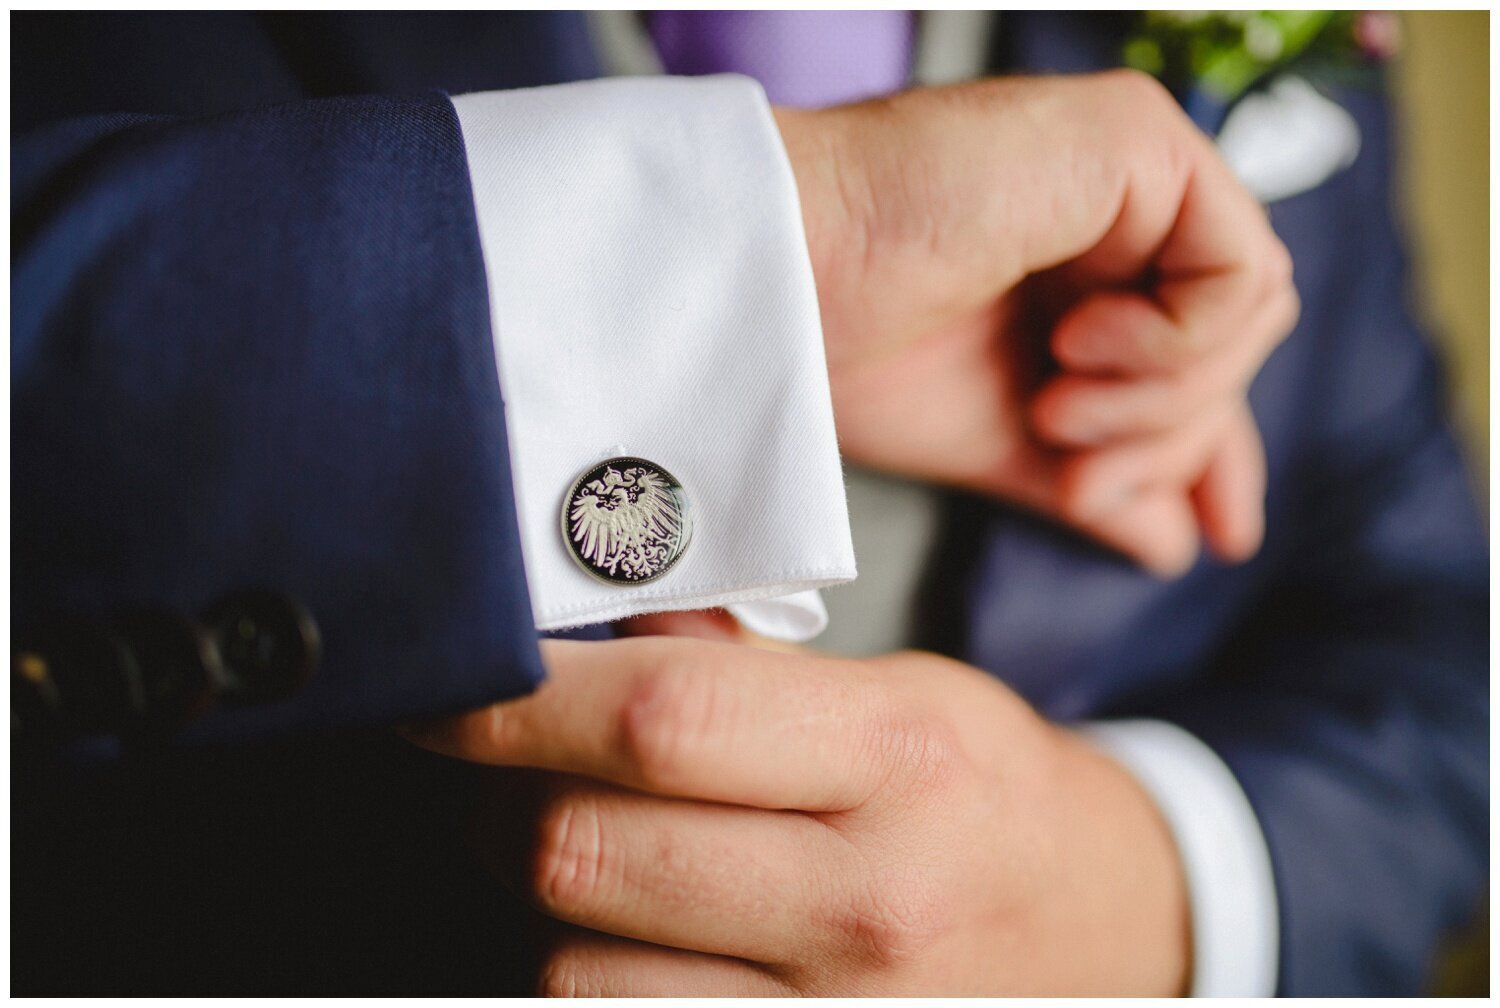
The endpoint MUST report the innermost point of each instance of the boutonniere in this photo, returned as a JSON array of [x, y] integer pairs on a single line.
[[1286, 136], [1223, 54]]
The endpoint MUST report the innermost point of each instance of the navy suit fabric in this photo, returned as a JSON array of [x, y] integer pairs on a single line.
[[251, 345], [310, 403]]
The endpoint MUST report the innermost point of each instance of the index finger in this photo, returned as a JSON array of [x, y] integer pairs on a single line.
[[685, 718]]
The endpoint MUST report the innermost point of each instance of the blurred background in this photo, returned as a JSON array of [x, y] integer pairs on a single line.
[[1443, 91], [1443, 94]]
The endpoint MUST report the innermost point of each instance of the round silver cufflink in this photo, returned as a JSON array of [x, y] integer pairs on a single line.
[[626, 521]]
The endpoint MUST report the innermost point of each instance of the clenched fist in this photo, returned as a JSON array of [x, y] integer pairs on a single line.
[[1052, 291]]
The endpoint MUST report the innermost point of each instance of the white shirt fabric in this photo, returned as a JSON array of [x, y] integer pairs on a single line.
[[1287, 139], [651, 295]]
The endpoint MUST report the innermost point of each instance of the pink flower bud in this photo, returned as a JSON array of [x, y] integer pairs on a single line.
[[1377, 34]]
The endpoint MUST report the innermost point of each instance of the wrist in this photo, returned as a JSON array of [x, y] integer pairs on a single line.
[[827, 178], [1130, 907]]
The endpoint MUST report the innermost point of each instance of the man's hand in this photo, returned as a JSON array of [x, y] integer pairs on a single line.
[[738, 821], [1052, 291]]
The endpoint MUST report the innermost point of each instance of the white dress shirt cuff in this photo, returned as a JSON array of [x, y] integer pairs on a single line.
[[651, 295], [1231, 887]]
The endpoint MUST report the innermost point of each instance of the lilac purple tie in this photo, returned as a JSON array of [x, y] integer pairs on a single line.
[[802, 58]]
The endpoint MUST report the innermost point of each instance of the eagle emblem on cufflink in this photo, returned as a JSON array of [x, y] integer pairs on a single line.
[[626, 521]]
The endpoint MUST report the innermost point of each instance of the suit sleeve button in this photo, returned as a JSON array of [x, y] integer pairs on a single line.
[[180, 673], [269, 645], [72, 675]]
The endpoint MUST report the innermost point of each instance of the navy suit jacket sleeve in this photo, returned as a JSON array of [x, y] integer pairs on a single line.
[[1352, 700], [253, 349]]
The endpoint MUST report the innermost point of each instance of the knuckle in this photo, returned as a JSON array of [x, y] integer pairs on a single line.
[[1292, 312], [1152, 122], [897, 922], [1279, 266], [480, 732], [919, 747], [1136, 85], [1149, 129], [662, 721], [569, 863], [1278, 293]]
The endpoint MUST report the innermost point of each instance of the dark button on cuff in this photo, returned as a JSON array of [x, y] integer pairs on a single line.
[[180, 672], [74, 676], [268, 644]]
